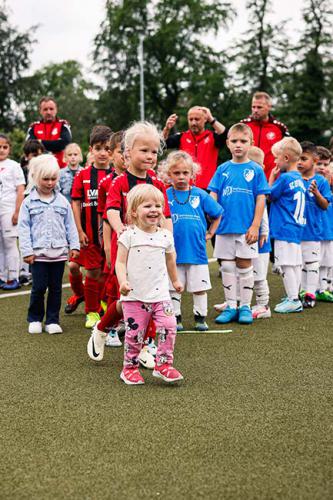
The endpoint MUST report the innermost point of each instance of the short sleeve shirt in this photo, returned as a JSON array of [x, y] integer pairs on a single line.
[[11, 176]]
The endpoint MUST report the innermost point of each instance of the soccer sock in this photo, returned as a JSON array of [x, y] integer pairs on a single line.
[[246, 284], [91, 295], [12, 257], [290, 282], [229, 282], [298, 274], [304, 277], [200, 305], [110, 318], [312, 277], [101, 285], [176, 299], [76, 282], [323, 279], [330, 278], [261, 291]]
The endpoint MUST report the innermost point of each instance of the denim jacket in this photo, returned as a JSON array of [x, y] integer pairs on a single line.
[[46, 225], [66, 181]]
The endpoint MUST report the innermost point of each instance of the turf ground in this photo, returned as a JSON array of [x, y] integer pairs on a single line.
[[253, 419]]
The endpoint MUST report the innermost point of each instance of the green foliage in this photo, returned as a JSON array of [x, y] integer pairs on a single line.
[[17, 138]]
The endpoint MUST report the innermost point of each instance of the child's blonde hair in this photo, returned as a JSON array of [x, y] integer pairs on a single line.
[[70, 146], [288, 145], [42, 166], [138, 129], [241, 127], [257, 155], [138, 195], [181, 156]]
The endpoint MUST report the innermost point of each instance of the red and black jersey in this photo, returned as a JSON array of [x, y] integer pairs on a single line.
[[85, 189], [103, 189], [54, 135]]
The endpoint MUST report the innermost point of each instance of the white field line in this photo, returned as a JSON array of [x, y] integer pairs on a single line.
[[179, 334]]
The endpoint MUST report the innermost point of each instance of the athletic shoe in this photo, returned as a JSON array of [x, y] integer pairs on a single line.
[[131, 376], [220, 307], [72, 303], [53, 328], [35, 327], [152, 348], [11, 285], [180, 326], [324, 296], [301, 294], [146, 359], [112, 339], [309, 300], [25, 280], [167, 373], [2, 283], [91, 319], [200, 323], [245, 315], [121, 329], [289, 306], [261, 312], [228, 315], [96, 343]]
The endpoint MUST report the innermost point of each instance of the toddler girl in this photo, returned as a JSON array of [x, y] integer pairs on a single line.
[[73, 158]]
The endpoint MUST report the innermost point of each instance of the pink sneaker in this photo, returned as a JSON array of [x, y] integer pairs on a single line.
[[132, 376], [167, 373]]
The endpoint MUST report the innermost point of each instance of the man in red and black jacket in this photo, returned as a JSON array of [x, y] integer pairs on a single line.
[[203, 145], [53, 132], [267, 130]]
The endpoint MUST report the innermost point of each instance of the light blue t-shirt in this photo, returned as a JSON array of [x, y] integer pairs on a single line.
[[287, 212], [189, 223], [314, 228], [237, 186]]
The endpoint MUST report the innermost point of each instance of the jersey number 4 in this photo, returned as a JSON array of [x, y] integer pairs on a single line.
[[300, 206]]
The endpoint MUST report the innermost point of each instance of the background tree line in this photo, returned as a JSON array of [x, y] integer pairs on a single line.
[[181, 68]]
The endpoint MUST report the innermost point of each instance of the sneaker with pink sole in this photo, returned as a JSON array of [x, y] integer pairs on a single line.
[[132, 376], [167, 373], [261, 312]]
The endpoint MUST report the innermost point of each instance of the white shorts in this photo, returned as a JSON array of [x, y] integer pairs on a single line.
[[230, 246], [287, 254], [260, 266], [194, 277], [326, 253], [7, 228], [310, 251]]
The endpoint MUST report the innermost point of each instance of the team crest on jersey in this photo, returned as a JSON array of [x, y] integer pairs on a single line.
[[248, 174], [271, 135], [174, 218], [54, 131], [194, 201], [206, 140]]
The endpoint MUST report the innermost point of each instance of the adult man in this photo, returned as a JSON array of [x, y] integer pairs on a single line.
[[203, 145], [53, 132], [266, 129]]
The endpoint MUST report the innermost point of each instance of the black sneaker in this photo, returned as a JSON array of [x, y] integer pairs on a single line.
[[200, 323], [73, 303], [180, 327]]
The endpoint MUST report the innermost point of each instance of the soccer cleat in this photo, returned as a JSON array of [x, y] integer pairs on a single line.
[[121, 329], [220, 307], [112, 339], [289, 306], [72, 303], [146, 359], [35, 327], [245, 315], [324, 296], [25, 280], [180, 326], [151, 346], [200, 323], [309, 300], [11, 285], [96, 343], [167, 373], [261, 312], [53, 328], [131, 376], [91, 319], [228, 315], [2, 283], [301, 295]]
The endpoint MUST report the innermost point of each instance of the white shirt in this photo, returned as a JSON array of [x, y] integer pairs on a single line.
[[11, 176], [146, 264]]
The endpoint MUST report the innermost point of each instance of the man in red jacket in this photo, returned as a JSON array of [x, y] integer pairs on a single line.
[[203, 145], [266, 129], [52, 131]]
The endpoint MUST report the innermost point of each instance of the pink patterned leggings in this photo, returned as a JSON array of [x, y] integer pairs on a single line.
[[137, 315]]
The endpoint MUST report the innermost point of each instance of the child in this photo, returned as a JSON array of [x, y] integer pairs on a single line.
[[31, 149], [324, 293], [84, 202], [189, 205], [239, 185], [73, 158], [286, 219], [142, 143], [11, 196], [46, 233], [144, 285], [317, 198]]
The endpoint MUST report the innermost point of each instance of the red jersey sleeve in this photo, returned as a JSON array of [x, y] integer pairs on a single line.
[[77, 188], [114, 197], [102, 193], [166, 211]]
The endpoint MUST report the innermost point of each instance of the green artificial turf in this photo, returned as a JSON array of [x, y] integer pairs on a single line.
[[252, 420]]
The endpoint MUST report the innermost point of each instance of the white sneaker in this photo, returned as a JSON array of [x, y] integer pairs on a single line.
[[146, 359], [112, 339], [220, 307], [96, 343], [53, 328], [152, 348], [35, 327], [261, 312]]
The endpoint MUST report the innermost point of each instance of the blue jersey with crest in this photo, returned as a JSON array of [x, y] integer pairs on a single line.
[[314, 215]]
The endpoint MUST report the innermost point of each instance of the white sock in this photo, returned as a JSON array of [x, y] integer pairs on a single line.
[[246, 284], [229, 282], [200, 305], [304, 277], [323, 278], [261, 291], [312, 277], [176, 299], [290, 281]]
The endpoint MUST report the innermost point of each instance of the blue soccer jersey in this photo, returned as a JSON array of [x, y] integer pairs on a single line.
[[237, 186], [287, 217], [314, 229], [327, 232], [188, 209]]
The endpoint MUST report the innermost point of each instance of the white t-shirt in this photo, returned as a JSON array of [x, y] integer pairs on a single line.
[[11, 176], [146, 264]]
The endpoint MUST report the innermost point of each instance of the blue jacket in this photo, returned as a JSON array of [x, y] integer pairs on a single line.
[[46, 225]]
